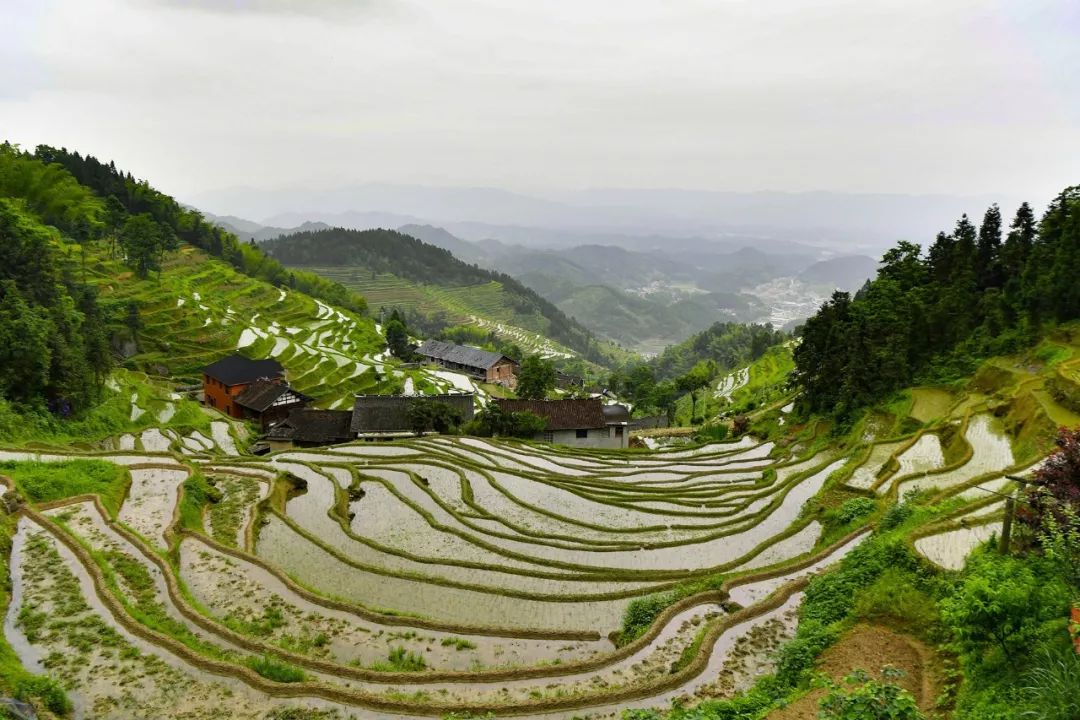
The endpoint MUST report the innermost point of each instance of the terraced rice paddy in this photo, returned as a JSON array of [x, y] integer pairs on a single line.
[[434, 576]]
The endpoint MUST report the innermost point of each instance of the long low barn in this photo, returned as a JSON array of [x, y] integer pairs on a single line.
[[584, 423], [486, 366], [385, 416]]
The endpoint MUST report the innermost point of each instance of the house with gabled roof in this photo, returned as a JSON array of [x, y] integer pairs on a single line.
[[580, 423], [485, 366], [268, 402], [229, 377], [385, 417], [310, 427]]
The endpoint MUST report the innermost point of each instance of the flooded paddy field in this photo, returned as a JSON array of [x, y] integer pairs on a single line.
[[443, 574]]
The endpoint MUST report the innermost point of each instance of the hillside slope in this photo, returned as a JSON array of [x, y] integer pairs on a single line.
[[396, 270]]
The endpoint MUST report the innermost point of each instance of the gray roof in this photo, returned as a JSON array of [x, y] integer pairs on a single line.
[[616, 413], [561, 414], [460, 354], [239, 370], [390, 413], [262, 394]]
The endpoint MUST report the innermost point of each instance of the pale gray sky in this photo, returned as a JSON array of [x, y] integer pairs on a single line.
[[913, 96]]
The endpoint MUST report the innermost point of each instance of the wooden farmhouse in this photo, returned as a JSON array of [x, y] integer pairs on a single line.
[[485, 366]]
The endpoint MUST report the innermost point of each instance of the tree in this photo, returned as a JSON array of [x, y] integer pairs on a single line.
[[141, 241], [1056, 484], [535, 378], [25, 354], [427, 415], [1001, 603], [698, 377], [493, 421], [397, 337], [989, 249], [869, 699]]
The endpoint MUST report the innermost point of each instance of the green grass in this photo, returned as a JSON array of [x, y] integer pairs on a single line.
[[15, 680], [198, 492], [42, 482], [401, 660], [273, 669]]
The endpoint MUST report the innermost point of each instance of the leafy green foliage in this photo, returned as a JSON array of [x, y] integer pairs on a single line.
[[197, 493], [869, 699], [1001, 605], [931, 316], [54, 348], [397, 337], [854, 509], [427, 415], [493, 421], [640, 614], [729, 345], [42, 482], [124, 195], [41, 687], [1051, 687], [535, 378]]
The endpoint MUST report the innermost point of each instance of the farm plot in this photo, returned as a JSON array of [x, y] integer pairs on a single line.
[[991, 453], [432, 576]]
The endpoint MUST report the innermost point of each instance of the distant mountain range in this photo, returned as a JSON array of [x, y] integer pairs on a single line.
[[644, 292]]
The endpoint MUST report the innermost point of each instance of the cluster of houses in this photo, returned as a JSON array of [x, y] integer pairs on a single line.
[[257, 391]]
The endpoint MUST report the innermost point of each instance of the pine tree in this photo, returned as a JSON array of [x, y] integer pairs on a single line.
[[989, 249]]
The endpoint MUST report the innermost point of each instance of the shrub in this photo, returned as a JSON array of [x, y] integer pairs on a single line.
[[854, 509], [640, 614], [712, 432], [869, 699]]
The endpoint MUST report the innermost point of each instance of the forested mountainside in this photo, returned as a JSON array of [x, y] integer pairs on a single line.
[[975, 292], [729, 345], [363, 259]]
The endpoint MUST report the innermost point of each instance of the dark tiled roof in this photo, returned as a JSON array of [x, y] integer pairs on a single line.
[[239, 370], [459, 354], [390, 413], [616, 413], [262, 394], [314, 426], [562, 414]]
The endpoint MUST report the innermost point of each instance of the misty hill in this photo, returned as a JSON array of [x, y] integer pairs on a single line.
[[845, 273], [843, 221], [435, 288], [248, 230]]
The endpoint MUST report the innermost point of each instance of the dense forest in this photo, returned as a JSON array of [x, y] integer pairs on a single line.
[[929, 317], [389, 251], [729, 345], [54, 343]]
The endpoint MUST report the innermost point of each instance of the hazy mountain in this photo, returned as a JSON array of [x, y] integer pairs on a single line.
[[847, 273], [855, 221], [248, 230]]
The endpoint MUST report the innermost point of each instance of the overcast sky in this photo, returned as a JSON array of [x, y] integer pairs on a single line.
[[911, 96]]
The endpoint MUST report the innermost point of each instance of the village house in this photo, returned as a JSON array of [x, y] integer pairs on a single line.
[[309, 427], [489, 367], [580, 423], [386, 417], [268, 402], [227, 379]]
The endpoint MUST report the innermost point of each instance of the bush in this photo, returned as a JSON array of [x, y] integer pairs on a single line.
[[640, 614], [1001, 604], [894, 596], [854, 509], [869, 699], [400, 660]]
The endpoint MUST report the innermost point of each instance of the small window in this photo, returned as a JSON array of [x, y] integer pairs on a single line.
[[582, 434]]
